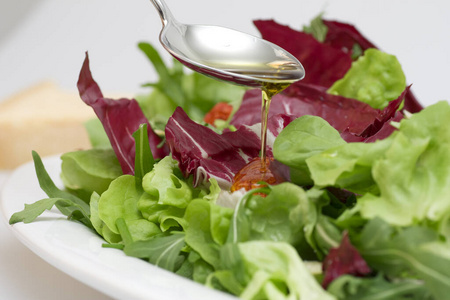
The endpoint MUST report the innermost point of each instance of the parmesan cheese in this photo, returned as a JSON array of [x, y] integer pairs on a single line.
[[43, 118]]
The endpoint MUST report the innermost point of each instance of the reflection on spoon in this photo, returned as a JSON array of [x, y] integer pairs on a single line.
[[227, 54]]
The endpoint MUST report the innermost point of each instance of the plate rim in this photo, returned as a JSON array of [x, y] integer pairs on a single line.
[[42, 238]]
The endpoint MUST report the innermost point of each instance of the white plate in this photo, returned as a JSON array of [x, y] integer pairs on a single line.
[[77, 251]]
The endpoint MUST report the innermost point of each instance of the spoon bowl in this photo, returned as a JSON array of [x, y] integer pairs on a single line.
[[227, 54]]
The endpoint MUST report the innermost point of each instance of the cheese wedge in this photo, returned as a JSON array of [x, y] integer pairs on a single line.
[[43, 118]]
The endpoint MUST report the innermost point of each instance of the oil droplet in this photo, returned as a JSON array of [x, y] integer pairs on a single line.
[[255, 174]]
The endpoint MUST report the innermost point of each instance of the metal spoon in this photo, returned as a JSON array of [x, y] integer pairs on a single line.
[[227, 54]]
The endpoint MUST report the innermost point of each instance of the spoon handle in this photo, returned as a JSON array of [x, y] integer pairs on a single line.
[[163, 11]]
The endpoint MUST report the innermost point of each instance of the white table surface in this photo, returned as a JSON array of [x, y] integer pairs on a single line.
[[46, 39]]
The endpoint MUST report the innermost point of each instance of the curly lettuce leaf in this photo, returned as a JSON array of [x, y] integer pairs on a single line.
[[375, 78], [404, 179], [167, 194], [270, 270], [414, 174], [120, 202]]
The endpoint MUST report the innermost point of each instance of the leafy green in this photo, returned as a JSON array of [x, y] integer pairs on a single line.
[[301, 139], [144, 160], [317, 28], [161, 250], [120, 201], [415, 251], [167, 194], [413, 175], [96, 133], [348, 287], [286, 213], [34, 210], [194, 92], [68, 204], [99, 225], [87, 171], [375, 78], [207, 229], [271, 270], [347, 166]]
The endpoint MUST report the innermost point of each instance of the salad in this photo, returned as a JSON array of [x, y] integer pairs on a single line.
[[363, 211]]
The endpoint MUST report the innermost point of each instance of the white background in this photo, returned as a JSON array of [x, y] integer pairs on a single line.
[[47, 39]]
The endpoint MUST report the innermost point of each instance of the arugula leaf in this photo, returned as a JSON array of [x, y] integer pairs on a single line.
[[144, 160], [169, 80], [317, 28], [162, 250], [348, 287], [66, 206], [416, 252], [194, 92]]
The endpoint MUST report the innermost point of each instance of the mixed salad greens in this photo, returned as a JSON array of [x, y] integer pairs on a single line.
[[364, 212]]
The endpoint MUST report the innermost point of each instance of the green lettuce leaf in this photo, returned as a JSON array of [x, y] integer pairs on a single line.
[[301, 139], [414, 174], [404, 179], [348, 166], [120, 202], [375, 78], [207, 229], [87, 171], [285, 214], [98, 223], [167, 194], [270, 270]]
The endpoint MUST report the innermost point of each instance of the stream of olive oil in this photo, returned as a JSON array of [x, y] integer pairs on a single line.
[[268, 91], [257, 170]]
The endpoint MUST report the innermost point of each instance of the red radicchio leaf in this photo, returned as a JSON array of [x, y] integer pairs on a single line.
[[326, 62], [323, 63], [120, 119], [355, 120], [343, 260], [381, 127], [344, 36], [202, 152]]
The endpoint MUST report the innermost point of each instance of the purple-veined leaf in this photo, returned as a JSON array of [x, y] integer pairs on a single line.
[[120, 119]]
